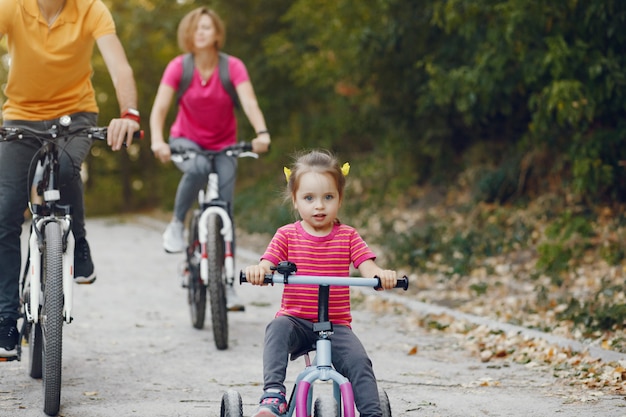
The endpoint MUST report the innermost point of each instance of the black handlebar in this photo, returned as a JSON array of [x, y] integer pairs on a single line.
[[16, 133]]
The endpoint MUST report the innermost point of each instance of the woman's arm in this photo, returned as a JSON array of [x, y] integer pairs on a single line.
[[251, 108], [162, 102]]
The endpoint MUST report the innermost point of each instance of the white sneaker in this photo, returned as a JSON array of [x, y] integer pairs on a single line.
[[173, 238], [233, 303]]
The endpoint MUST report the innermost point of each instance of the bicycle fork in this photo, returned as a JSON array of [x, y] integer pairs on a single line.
[[322, 370], [227, 234], [35, 243]]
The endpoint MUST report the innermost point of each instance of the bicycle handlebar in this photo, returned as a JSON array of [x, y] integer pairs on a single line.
[[238, 150], [321, 280], [8, 134]]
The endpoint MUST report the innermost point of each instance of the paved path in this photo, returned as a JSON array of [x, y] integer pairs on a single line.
[[131, 351]]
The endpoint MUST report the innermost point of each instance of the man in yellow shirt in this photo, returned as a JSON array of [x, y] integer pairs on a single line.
[[50, 44]]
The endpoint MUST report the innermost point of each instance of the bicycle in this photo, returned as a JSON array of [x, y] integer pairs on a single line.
[[320, 368], [209, 263], [46, 290]]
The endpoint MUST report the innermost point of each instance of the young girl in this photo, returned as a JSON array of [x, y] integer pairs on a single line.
[[319, 245]]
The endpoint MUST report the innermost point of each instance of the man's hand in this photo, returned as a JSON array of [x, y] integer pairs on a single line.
[[120, 132]]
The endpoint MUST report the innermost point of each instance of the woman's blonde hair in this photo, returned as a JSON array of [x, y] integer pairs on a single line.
[[189, 24], [320, 161]]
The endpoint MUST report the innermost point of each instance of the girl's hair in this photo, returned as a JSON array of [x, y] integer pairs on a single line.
[[320, 161], [189, 24]]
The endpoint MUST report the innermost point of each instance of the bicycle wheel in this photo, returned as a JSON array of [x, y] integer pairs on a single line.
[[35, 350], [196, 290], [325, 406], [217, 287], [231, 404], [52, 317], [385, 406]]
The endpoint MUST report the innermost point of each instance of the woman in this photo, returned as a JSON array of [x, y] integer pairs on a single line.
[[205, 118]]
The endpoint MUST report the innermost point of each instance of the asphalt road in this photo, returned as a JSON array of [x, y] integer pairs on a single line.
[[131, 350]]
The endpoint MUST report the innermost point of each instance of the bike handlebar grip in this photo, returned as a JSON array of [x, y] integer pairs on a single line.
[[400, 283], [403, 283], [267, 280]]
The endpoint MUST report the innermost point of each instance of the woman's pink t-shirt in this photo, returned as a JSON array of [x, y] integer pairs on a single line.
[[206, 113], [329, 255]]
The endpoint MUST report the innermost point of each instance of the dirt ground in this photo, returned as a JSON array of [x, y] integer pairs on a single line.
[[131, 350]]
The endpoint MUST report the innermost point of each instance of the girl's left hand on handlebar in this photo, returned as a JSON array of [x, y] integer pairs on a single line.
[[388, 278], [120, 132]]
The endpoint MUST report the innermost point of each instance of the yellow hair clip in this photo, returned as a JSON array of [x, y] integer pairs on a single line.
[[345, 169]]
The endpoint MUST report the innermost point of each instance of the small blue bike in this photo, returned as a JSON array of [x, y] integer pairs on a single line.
[[320, 368]]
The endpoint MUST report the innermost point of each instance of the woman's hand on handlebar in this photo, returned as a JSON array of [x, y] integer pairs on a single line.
[[120, 132], [255, 274], [261, 143], [162, 151]]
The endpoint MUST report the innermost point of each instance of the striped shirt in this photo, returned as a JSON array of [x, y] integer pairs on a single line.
[[329, 255]]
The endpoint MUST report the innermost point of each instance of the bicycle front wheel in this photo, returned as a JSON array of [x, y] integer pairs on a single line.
[[52, 317], [217, 287], [196, 290], [232, 405]]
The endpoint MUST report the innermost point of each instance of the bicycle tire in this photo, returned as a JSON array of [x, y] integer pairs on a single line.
[[232, 405], [35, 350], [325, 406], [52, 317], [217, 286], [385, 405], [196, 290]]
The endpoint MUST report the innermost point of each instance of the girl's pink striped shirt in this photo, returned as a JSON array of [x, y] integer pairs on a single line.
[[329, 255]]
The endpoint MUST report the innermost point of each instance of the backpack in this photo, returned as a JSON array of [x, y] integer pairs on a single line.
[[224, 73]]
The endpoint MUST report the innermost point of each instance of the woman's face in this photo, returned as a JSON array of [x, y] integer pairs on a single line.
[[205, 35]]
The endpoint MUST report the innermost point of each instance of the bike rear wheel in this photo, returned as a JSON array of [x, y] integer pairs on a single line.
[[196, 290], [52, 317], [35, 350], [385, 406], [217, 287]]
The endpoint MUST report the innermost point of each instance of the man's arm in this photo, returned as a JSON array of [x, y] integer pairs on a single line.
[[121, 73]]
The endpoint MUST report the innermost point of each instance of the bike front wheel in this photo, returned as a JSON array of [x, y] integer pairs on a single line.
[[196, 290], [217, 286], [232, 405], [52, 317]]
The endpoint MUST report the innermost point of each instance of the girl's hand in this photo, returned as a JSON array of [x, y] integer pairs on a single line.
[[388, 278], [255, 274]]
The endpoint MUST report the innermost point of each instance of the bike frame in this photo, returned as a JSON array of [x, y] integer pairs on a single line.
[[47, 282], [321, 368]]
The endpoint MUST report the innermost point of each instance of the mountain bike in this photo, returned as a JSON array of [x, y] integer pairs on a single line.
[[320, 368], [209, 265], [46, 286]]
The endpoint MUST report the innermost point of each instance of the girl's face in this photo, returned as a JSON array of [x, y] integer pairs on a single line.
[[205, 35], [317, 201]]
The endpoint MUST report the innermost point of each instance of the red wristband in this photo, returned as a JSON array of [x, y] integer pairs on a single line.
[[132, 114]]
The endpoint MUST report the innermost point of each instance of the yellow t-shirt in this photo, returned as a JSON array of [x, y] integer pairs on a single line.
[[50, 68]]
